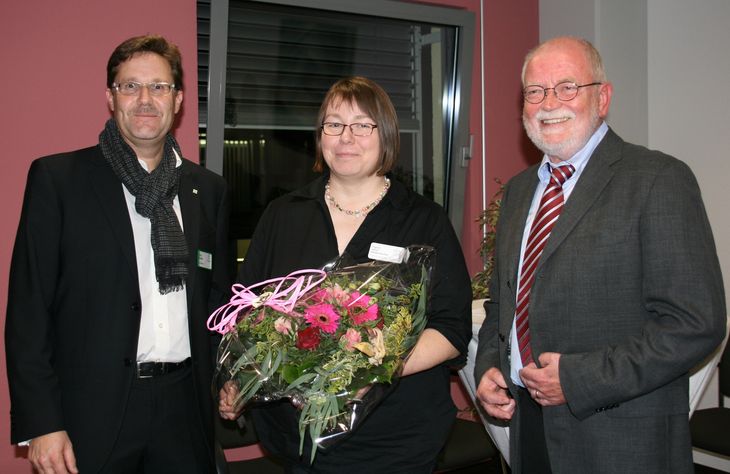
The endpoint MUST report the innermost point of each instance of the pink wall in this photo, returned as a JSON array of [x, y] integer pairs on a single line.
[[510, 30], [54, 58], [54, 71]]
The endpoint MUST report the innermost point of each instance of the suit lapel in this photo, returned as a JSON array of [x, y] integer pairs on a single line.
[[188, 195], [595, 177], [108, 188], [524, 190]]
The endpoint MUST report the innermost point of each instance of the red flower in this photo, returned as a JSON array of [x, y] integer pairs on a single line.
[[308, 339]]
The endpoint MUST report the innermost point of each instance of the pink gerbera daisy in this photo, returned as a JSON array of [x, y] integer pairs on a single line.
[[322, 316], [360, 309]]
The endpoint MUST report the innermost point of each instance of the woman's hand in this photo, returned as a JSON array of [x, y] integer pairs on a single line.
[[227, 404]]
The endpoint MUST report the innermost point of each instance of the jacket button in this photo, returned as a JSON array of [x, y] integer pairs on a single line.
[[136, 306]]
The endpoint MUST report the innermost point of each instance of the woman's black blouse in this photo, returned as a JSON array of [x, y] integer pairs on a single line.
[[407, 430]]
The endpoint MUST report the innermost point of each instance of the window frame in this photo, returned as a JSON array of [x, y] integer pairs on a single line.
[[457, 106]]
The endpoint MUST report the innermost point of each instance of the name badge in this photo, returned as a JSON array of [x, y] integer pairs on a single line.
[[205, 260], [387, 253]]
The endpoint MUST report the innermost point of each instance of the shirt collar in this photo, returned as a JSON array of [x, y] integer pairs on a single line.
[[178, 161], [580, 159]]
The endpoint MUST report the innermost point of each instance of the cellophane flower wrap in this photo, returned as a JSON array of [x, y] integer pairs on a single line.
[[333, 341]]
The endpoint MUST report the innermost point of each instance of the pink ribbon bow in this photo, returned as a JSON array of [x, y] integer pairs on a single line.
[[283, 298]]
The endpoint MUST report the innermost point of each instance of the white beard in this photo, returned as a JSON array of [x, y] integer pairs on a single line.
[[567, 148]]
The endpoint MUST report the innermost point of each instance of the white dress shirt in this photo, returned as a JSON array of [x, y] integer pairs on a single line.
[[163, 330]]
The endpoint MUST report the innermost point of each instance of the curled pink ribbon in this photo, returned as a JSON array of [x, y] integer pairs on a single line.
[[283, 298]]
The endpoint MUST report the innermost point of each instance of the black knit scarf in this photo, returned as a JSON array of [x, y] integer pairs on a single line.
[[154, 193]]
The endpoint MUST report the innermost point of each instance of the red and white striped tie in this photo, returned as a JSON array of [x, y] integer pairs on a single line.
[[548, 212]]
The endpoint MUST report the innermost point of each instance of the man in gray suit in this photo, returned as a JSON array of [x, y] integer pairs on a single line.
[[607, 288]]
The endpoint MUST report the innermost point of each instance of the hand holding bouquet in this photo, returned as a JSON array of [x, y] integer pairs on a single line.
[[324, 339]]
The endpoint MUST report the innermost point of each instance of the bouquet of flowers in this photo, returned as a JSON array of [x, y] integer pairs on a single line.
[[332, 342]]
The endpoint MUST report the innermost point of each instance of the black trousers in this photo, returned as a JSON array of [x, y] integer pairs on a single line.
[[161, 431], [533, 448]]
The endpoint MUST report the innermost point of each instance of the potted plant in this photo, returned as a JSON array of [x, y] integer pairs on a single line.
[[487, 222]]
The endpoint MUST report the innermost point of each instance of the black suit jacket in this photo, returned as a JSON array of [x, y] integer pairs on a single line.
[[74, 302]]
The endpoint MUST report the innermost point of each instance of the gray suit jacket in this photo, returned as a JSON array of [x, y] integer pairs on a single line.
[[629, 291]]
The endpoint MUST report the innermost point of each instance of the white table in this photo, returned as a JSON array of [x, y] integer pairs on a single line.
[[698, 380]]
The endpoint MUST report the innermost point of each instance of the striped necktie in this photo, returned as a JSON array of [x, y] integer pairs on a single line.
[[548, 212]]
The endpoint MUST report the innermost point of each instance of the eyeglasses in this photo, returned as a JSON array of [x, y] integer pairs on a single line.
[[156, 89], [564, 91], [358, 129]]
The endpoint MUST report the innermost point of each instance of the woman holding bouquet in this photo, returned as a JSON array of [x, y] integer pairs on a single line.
[[353, 205]]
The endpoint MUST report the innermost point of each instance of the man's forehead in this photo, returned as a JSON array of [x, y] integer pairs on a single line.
[[560, 61], [147, 56], [146, 61]]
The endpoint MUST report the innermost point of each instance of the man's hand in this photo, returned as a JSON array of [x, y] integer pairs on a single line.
[[544, 383], [226, 405], [493, 395], [52, 453]]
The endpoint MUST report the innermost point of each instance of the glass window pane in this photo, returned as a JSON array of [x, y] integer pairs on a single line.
[[280, 62]]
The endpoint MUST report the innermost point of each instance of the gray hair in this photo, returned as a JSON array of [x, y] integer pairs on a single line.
[[592, 55]]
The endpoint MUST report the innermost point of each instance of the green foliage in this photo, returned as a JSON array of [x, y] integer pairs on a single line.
[[272, 362], [487, 222]]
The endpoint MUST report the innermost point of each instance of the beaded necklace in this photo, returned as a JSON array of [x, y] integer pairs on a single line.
[[357, 212]]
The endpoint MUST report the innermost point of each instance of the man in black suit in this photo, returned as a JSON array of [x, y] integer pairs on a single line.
[[121, 254]]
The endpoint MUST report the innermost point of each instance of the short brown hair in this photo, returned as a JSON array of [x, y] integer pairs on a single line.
[[145, 44], [374, 101]]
